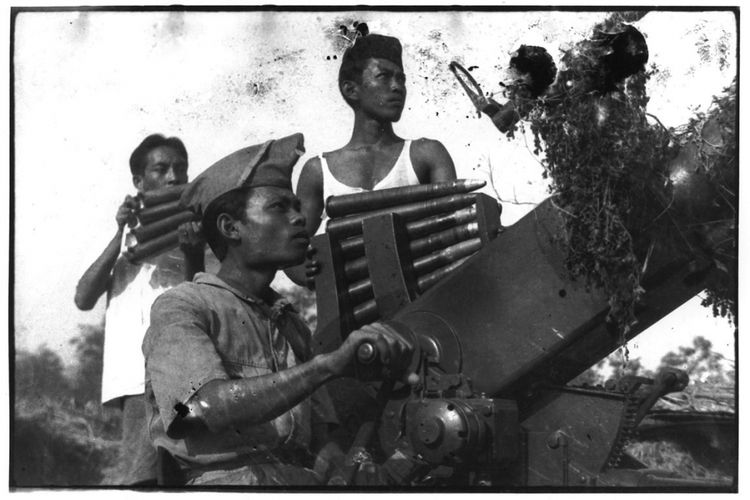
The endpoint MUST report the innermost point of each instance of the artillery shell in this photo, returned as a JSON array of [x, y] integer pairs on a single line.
[[365, 313], [445, 256], [155, 246], [158, 212], [360, 291], [429, 280], [339, 206], [422, 227], [356, 269], [352, 224], [164, 195], [150, 231], [443, 239], [355, 246]]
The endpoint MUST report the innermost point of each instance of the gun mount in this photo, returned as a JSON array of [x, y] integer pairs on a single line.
[[499, 334]]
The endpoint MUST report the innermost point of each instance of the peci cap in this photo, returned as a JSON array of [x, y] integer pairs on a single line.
[[375, 46], [267, 164]]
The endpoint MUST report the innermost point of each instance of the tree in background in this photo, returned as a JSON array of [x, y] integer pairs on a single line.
[[614, 366], [39, 375], [705, 444], [709, 453], [87, 373], [61, 435], [701, 363]]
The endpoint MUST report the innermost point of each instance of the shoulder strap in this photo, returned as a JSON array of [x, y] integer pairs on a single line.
[[291, 326], [299, 343]]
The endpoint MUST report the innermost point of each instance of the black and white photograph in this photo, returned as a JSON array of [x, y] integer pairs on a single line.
[[362, 248]]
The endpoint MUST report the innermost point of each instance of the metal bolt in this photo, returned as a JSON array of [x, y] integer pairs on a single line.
[[555, 439], [430, 430], [366, 353]]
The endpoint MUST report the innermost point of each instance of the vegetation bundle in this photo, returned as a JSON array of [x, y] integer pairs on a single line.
[[617, 175]]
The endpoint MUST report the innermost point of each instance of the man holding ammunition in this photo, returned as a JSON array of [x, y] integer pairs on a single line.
[[238, 398], [372, 82], [157, 162]]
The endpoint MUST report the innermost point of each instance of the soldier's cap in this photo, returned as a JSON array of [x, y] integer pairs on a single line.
[[267, 164], [376, 46]]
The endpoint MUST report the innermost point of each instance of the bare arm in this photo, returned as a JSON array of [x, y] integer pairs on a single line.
[[310, 193], [432, 162], [222, 403], [95, 280]]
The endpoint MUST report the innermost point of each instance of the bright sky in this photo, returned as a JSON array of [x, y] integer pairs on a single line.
[[89, 86], [86, 97]]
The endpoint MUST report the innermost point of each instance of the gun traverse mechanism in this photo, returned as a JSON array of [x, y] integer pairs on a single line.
[[498, 334]]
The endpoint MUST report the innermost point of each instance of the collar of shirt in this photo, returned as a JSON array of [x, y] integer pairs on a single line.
[[280, 304]]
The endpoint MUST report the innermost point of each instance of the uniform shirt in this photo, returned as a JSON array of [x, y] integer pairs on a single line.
[[208, 330], [401, 174]]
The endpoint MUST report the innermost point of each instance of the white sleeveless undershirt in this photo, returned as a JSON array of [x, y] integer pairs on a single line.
[[401, 174]]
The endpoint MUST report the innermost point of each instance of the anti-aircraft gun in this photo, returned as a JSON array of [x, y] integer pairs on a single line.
[[499, 329]]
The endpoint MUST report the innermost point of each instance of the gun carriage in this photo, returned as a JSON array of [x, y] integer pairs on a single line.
[[499, 329]]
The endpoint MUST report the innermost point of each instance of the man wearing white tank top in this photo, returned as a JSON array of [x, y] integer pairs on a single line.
[[372, 82]]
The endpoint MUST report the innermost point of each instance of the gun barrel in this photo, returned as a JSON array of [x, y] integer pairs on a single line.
[[352, 224], [164, 195], [150, 231], [160, 211], [505, 287], [339, 206]]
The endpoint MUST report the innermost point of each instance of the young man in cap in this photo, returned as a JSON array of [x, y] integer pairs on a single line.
[[237, 396], [156, 163], [373, 84]]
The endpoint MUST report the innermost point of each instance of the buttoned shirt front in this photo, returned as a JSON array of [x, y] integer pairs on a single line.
[[207, 330]]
